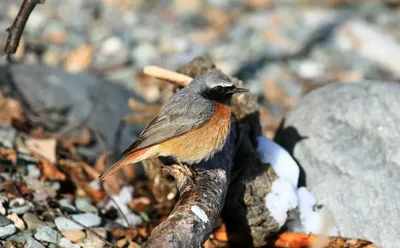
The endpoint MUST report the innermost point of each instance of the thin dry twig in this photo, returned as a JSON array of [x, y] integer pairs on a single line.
[[164, 74], [18, 26]]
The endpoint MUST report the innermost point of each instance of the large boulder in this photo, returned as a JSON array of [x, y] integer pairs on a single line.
[[346, 138], [65, 101]]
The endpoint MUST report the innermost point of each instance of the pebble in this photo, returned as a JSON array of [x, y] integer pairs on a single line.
[[64, 224], [17, 221], [21, 237], [87, 220], [144, 54], [92, 240], [74, 236], [85, 205], [4, 221], [33, 243], [6, 231], [32, 221], [67, 205], [33, 171], [21, 209], [3, 210], [26, 238], [65, 243], [132, 218], [50, 224], [47, 234]]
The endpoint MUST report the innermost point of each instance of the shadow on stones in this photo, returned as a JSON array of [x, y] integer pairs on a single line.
[[288, 137]]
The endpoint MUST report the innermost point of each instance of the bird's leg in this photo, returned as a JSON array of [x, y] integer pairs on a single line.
[[188, 173]]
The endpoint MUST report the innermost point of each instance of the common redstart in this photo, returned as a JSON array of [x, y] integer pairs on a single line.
[[191, 126]]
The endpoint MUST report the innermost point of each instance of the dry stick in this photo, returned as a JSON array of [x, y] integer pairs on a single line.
[[164, 74], [15, 31]]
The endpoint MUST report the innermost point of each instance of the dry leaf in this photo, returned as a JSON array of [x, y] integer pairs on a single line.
[[50, 171], [17, 221], [46, 148], [100, 164], [8, 154], [80, 59], [10, 109]]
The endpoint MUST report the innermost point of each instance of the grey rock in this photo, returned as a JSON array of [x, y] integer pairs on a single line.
[[21, 209], [6, 231], [47, 234], [85, 205], [144, 54], [67, 205], [377, 46], [88, 220], [33, 243], [32, 221], [55, 185], [70, 99], [33, 171], [66, 243], [21, 237], [345, 136], [133, 220], [26, 238], [4, 221], [64, 224], [51, 224]]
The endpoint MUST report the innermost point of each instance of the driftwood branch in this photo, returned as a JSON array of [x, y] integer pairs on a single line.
[[16, 29], [195, 215]]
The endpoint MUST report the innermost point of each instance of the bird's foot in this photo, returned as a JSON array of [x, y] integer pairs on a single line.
[[189, 174]]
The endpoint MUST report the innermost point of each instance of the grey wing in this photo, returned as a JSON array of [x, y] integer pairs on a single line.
[[178, 116]]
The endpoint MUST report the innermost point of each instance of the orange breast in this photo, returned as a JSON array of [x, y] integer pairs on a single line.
[[201, 143]]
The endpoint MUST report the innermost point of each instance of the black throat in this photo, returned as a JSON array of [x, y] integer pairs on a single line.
[[220, 94]]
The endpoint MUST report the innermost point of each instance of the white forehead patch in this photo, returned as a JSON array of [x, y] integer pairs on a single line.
[[222, 84]]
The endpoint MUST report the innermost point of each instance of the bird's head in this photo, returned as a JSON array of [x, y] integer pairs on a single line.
[[215, 86]]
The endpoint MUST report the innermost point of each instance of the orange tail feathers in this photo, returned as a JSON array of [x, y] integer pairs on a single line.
[[132, 158]]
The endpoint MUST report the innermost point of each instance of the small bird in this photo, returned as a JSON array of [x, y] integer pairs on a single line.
[[191, 126]]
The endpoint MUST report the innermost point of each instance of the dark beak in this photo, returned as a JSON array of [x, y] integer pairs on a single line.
[[239, 90]]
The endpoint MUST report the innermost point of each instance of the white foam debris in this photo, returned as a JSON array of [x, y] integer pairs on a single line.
[[311, 220], [281, 161], [200, 213], [281, 199]]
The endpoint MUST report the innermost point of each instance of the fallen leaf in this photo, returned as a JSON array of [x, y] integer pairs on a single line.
[[17, 221], [50, 171], [8, 154], [10, 109], [80, 59], [46, 148]]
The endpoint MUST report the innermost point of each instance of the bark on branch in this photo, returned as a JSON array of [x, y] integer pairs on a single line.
[[16, 29], [194, 216]]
